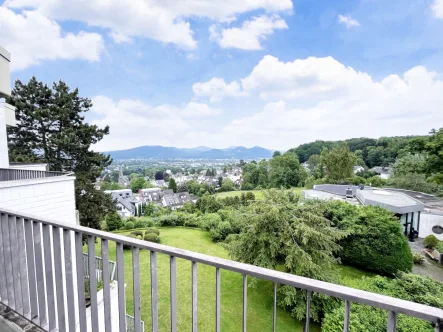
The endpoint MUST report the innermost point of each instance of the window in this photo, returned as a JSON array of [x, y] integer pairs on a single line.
[[437, 229]]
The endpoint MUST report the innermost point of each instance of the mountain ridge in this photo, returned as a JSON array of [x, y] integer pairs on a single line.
[[200, 152]]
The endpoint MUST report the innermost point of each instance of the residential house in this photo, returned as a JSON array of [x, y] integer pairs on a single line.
[[125, 202], [159, 183], [176, 200], [384, 172], [358, 169]]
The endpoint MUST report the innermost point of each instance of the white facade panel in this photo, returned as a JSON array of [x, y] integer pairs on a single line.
[[427, 221], [5, 80], [50, 198]]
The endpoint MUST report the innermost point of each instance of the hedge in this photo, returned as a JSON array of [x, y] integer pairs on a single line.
[[152, 237]]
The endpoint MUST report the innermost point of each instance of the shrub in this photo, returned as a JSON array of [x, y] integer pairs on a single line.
[[152, 237], [131, 219], [376, 241], [192, 222], [210, 221], [431, 241], [407, 286], [139, 224], [168, 220], [126, 246], [152, 231], [439, 247], [129, 225], [138, 234], [418, 259], [113, 221]]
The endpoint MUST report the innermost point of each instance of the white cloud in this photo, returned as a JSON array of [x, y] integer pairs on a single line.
[[437, 8], [120, 38], [216, 89], [348, 21], [134, 122], [249, 35], [162, 20], [32, 38], [320, 98]]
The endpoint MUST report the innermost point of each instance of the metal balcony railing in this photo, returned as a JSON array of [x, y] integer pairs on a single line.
[[98, 268], [13, 174], [38, 280]]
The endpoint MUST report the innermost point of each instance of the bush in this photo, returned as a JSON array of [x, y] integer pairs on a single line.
[[418, 259], [131, 219], [221, 232], [376, 181], [138, 234], [113, 221], [431, 241], [168, 220], [126, 246], [376, 241], [407, 286], [139, 224], [152, 231], [129, 225], [152, 237], [210, 221], [192, 222]]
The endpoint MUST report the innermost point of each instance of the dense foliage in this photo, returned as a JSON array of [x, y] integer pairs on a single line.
[[405, 286], [339, 162], [282, 171], [51, 129], [282, 232], [376, 241]]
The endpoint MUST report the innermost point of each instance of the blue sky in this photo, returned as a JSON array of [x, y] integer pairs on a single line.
[[274, 73]]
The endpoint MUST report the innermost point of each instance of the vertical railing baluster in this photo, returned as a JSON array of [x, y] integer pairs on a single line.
[[30, 264], [121, 287], [347, 313], [245, 301], [69, 277], [106, 286], [60, 292], [49, 276], [15, 264], [136, 288], [80, 280], [3, 289], [217, 299], [8, 260], [93, 283], [274, 316], [21, 244], [392, 321], [194, 297], [154, 291], [308, 310], [38, 251], [173, 293]]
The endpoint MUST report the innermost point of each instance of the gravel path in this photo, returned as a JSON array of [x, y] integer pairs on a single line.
[[429, 268]]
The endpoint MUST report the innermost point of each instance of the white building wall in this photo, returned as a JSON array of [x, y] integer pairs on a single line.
[[4, 157], [427, 221], [49, 198], [31, 167]]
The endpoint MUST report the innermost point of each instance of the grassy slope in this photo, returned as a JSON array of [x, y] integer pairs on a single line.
[[258, 193], [259, 298]]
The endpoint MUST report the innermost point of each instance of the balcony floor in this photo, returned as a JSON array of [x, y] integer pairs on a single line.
[[11, 322]]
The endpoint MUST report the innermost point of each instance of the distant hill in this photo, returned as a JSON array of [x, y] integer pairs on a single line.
[[201, 152]]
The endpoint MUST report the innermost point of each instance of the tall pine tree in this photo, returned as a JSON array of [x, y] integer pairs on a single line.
[[51, 129]]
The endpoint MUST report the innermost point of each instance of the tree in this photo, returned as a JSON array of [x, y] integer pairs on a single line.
[[51, 129], [137, 184], [105, 185], [227, 185], [339, 162], [410, 163], [276, 154], [113, 221], [314, 164], [294, 236], [286, 171], [220, 180], [172, 185], [159, 175], [434, 148]]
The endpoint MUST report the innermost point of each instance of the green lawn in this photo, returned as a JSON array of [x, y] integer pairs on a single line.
[[258, 193], [260, 301]]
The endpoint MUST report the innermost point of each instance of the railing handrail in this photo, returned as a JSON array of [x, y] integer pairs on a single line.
[[19, 174], [396, 305]]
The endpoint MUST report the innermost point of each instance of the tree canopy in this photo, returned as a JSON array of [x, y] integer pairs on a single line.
[[51, 129], [339, 162]]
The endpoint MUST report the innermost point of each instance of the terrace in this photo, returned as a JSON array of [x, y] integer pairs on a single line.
[[42, 272]]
